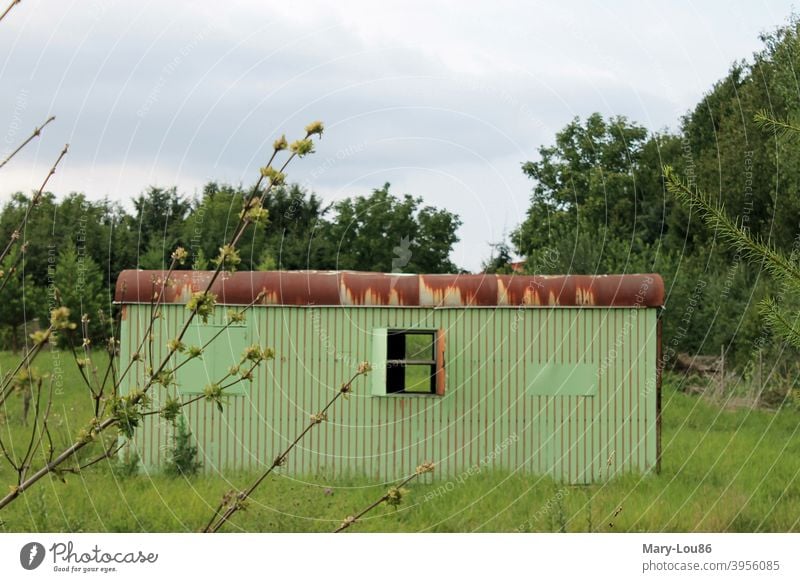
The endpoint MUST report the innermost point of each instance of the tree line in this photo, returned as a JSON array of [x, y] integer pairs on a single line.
[[599, 204], [76, 247]]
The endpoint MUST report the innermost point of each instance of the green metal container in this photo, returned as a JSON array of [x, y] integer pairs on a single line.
[[559, 377]]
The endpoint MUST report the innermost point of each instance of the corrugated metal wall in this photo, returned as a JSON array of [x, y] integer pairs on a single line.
[[485, 417]]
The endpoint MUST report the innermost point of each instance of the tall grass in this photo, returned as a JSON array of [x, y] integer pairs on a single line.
[[722, 470]]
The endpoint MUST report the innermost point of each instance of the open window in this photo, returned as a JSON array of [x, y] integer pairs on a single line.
[[408, 362]]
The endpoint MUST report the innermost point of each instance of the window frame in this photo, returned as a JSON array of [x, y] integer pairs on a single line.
[[381, 362]]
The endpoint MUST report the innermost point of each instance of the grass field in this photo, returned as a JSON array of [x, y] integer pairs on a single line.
[[722, 471]]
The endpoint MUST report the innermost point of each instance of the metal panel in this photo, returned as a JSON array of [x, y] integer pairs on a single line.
[[226, 351], [486, 418], [552, 379]]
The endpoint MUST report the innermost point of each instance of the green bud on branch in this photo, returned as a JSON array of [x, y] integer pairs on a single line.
[[315, 128], [202, 303], [302, 147], [280, 144]]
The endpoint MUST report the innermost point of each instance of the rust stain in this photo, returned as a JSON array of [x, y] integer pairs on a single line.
[[458, 290], [270, 298], [502, 292], [583, 296], [390, 289]]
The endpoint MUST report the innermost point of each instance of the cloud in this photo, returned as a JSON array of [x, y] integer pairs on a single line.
[[443, 99]]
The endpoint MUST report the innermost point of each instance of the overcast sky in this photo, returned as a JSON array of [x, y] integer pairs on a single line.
[[444, 100]]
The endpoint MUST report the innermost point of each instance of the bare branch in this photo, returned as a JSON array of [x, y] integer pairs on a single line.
[[238, 231], [393, 496], [238, 500], [32, 204], [36, 132], [80, 365], [37, 408], [13, 269], [26, 361], [98, 426], [53, 464], [42, 431], [153, 312], [110, 452], [7, 456], [10, 6]]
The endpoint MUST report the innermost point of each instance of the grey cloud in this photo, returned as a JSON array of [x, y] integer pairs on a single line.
[[184, 91]]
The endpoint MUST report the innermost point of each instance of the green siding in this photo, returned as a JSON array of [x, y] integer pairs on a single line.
[[499, 409], [555, 379], [227, 347], [378, 353]]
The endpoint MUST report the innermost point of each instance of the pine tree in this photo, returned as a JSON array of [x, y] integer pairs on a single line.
[[80, 284], [776, 311], [20, 301]]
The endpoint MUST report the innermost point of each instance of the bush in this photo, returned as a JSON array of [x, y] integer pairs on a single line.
[[182, 461], [127, 466]]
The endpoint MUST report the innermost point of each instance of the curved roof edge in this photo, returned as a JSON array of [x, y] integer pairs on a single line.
[[325, 288]]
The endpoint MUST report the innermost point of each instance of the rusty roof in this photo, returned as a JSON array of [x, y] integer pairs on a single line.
[[394, 289]]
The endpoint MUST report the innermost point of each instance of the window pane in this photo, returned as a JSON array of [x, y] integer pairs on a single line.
[[419, 346], [396, 349], [419, 378], [395, 378]]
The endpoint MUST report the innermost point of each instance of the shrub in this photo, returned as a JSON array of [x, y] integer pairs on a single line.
[[182, 460]]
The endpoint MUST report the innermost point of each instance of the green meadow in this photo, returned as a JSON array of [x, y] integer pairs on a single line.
[[722, 470]]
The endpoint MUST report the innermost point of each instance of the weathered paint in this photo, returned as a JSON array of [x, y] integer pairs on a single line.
[[390, 289], [486, 413]]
